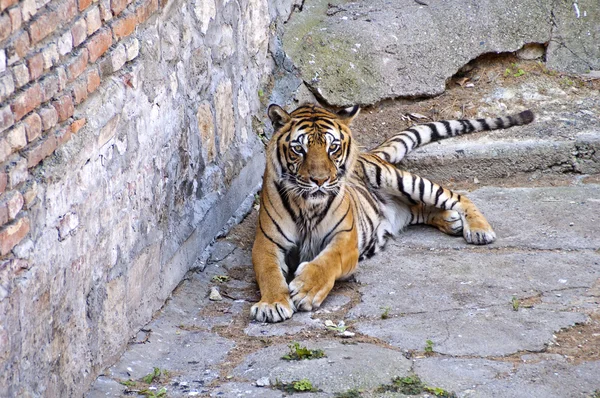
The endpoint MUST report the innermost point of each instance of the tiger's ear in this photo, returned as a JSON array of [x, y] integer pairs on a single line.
[[278, 116], [346, 115]]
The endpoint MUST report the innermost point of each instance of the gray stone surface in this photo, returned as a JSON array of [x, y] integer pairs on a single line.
[[362, 52], [360, 366], [538, 218], [575, 36], [493, 331], [551, 379]]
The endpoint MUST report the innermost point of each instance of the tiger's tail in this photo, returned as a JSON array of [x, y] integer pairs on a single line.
[[396, 147]]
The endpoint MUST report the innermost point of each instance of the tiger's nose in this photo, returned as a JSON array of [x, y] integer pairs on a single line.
[[319, 180]]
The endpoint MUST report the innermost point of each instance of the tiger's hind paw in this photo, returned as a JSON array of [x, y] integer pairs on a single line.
[[272, 312], [479, 236]]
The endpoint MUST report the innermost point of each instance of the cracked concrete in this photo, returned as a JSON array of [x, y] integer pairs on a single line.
[[362, 52], [431, 286]]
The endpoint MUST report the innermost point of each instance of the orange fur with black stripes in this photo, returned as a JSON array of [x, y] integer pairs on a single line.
[[324, 205]]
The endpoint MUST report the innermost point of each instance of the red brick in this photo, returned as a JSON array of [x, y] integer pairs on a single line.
[[77, 125], [145, 9], [19, 45], [83, 4], [62, 136], [6, 116], [77, 65], [50, 87], [64, 107], [124, 27], [48, 117], [15, 18], [33, 126], [12, 234], [5, 26], [80, 92], [11, 204], [67, 10], [99, 43], [36, 66], [3, 181], [27, 101], [29, 190], [4, 4], [117, 6], [93, 82], [42, 148], [43, 26], [79, 32]]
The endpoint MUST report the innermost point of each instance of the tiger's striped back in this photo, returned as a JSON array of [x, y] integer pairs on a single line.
[[395, 148]]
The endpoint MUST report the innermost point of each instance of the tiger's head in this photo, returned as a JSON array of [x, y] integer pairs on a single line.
[[312, 150]]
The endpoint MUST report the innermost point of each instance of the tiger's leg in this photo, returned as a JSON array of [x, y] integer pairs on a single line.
[[268, 257], [315, 279], [447, 221], [413, 189], [476, 229]]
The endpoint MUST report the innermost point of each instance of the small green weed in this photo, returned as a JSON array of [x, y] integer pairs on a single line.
[[412, 385], [220, 278], [303, 385], [298, 353], [162, 393], [428, 347], [595, 394], [439, 392], [567, 82], [148, 379], [514, 71], [515, 303], [386, 312], [128, 383], [353, 393]]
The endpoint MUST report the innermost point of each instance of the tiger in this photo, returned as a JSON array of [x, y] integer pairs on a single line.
[[324, 206]]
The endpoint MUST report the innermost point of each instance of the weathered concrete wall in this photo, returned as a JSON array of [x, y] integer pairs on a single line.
[[105, 223], [361, 52]]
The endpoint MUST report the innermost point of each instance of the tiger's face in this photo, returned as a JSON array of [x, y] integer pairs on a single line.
[[312, 149]]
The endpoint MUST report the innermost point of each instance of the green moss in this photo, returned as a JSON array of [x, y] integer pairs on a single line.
[[328, 57]]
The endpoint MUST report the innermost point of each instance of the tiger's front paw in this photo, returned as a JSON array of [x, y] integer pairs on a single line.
[[479, 234], [273, 311], [311, 286]]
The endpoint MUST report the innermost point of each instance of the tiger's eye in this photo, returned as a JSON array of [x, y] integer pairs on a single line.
[[298, 148], [333, 147]]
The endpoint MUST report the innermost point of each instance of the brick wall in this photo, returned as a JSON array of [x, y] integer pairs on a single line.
[[53, 55], [126, 143]]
